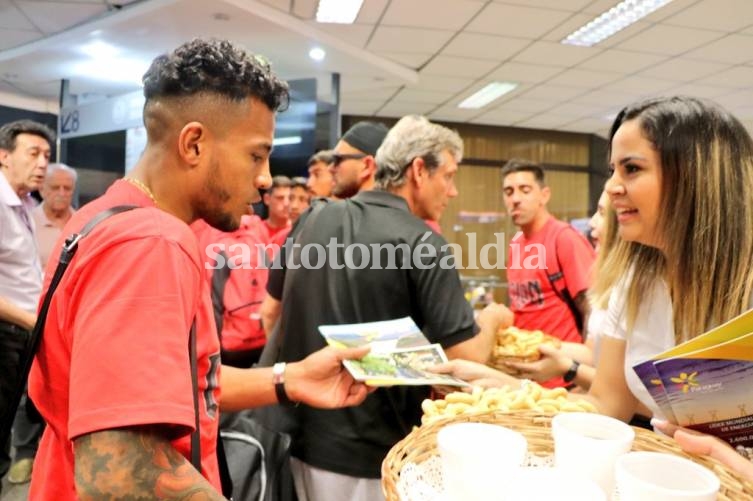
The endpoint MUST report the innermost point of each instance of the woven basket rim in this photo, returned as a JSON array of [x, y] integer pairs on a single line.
[[420, 444]]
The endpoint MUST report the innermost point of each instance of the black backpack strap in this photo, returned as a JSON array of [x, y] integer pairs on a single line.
[[196, 434], [66, 254], [555, 274], [563, 293]]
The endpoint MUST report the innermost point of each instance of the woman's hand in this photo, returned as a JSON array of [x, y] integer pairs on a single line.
[[553, 363], [475, 373], [700, 444]]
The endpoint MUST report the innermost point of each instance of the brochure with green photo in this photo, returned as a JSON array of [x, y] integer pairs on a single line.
[[399, 355]]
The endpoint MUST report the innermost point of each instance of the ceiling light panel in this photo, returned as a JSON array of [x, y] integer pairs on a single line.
[[338, 11], [486, 95], [610, 22]]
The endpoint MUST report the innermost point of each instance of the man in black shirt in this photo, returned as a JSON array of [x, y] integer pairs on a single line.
[[352, 167], [381, 262]]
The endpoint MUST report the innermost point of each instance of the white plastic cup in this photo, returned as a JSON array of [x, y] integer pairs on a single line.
[[478, 459], [655, 476], [589, 444], [548, 484]]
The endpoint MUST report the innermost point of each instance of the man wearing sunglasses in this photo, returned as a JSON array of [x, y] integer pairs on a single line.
[[353, 165], [353, 168]]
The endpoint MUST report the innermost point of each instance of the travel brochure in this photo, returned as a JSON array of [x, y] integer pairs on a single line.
[[399, 355], [704, 383]]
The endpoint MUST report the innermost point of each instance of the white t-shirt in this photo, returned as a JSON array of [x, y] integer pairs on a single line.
[[594, 329], [652, 333]]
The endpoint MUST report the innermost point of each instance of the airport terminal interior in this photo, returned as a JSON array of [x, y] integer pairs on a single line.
[[540, 81]]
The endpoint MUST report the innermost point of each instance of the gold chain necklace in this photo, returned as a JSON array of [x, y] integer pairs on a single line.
[[142, 187]]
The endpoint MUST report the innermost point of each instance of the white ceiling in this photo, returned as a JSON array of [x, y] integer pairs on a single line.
[[408, 56]]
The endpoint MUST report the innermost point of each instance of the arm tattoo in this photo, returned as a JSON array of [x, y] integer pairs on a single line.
[[136, 463], [584, 307]]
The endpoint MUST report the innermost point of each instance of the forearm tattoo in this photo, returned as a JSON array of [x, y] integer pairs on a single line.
[[135, 463]]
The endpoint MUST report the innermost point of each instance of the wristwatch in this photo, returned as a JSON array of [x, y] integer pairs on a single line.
[[278, 378], [571, 372]]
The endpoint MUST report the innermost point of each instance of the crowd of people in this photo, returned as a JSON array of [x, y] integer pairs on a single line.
[[111, 391]]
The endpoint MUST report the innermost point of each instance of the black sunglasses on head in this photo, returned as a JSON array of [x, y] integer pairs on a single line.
[[338, 158]]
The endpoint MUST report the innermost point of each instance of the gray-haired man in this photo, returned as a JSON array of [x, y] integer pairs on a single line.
[[55, 210], [337, 454]]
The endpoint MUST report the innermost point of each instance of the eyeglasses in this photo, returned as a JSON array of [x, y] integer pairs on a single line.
[[338, 158]]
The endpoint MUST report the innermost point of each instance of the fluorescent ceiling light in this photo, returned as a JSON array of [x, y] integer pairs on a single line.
[[338, 11], [487, 95], [283, 141], [610, 22], [317, 54]]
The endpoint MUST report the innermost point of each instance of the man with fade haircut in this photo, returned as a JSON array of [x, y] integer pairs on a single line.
[[337, 454], [353, 166], [552, 298], [112, 376]]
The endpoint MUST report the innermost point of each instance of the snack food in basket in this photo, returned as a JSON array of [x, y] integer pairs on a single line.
[[531, 397], [407, 457], [520, 345]]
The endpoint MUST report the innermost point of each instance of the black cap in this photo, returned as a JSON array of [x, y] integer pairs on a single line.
[[366, 136]]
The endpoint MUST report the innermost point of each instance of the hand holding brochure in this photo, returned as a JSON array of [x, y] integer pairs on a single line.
[[705, 383], [399, 355]]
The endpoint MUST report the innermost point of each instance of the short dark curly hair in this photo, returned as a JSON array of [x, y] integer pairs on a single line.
[[216, 67], [10, 131], [522, 165]]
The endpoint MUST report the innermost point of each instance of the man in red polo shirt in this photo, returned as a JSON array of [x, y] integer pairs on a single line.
[[112, 376], [549, 263]]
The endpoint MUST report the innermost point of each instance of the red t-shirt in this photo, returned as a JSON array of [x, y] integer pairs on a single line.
[[532, 298], [246, 286], [279, 238], [115, 347], [274, 230]]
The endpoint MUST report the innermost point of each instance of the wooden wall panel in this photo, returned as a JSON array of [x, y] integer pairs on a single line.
[[503, 143]]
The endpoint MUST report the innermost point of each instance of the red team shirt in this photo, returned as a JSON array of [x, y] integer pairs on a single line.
[[115, 347], [532, 299], [272, 231], [280, 236], [246, 287]]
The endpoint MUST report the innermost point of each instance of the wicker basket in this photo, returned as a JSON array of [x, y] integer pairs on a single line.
[[421, 444]]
